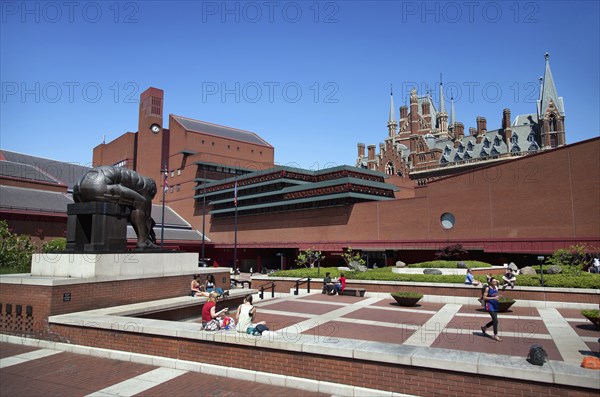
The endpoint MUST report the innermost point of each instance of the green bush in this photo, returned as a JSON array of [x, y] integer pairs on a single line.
[[56, 245], [591, 313], [406, 294], [506, 299], [585, 280], [15, 251], [448, 264]]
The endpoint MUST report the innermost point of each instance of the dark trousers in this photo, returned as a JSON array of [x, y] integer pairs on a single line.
[[494, 322]]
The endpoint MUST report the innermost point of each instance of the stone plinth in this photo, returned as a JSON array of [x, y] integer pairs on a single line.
[[89, 265], [97, 227]]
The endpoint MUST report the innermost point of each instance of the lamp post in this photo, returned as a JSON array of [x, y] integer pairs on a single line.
[[280, 255], [162, 222], [541, 260]]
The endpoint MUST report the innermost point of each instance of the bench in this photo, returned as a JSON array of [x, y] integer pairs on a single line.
[[353, 291], [242, 282]]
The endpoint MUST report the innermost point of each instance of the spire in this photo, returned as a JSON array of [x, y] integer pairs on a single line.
[[442, 103], [392, 117], [452, 115], [548, 91]]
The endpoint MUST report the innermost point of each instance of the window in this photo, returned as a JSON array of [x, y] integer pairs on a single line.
[[486, 143], [178, 171], [515, 149], [470, 146], [178, 187], [497, 141], [172, 174], [514, 139], [172, 189], [461, 148]]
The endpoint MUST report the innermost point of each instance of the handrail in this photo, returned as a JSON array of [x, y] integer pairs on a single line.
[[262, 290], [300, 282]]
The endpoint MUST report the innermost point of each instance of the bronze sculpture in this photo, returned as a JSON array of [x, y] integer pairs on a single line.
[[117, 185]]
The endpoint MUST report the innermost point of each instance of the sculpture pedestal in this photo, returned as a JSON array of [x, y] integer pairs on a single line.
[[97, 227]]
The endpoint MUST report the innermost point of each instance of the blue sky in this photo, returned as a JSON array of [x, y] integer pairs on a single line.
[[311, 78]]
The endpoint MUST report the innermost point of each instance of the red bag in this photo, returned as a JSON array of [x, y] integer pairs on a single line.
[[590, 362]]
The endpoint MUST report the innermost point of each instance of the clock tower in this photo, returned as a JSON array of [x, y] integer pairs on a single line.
[[152, 138]]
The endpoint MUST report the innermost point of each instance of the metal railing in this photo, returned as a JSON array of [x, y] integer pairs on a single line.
[[263, 289], [301, 281]]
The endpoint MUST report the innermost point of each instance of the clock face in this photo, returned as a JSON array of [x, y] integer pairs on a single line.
[[155, 128]]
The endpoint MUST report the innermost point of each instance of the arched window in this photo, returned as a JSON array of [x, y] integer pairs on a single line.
[[514, 139], [470, 146], [497, 141], [486, 143], [389, 168], [552, 123]]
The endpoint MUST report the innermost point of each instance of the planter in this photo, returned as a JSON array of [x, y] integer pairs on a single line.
[[593, 316], [505, 305], [407, 298]]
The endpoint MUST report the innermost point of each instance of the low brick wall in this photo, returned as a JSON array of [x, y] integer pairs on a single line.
[[43, 301], [355, 372], [284, 285]]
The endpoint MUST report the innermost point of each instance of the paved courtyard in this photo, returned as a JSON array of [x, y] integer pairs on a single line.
[[564, 333]]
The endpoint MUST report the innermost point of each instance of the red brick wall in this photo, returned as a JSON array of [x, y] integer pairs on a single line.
[[388, 377], [48, 301], [122, 148]]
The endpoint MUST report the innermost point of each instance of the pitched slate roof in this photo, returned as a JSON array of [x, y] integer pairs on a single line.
[[63, 172], [23, 199], [221, 131], [25, 171]]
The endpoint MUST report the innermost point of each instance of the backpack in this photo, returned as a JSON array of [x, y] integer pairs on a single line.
[[537, 355], [590, 362]]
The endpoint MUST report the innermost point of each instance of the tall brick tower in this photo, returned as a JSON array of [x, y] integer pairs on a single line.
[[152, 142]]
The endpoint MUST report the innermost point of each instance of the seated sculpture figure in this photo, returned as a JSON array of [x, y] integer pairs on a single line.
[[126, 187]]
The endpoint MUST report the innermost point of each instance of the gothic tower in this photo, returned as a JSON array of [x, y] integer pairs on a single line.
[[551, 113], [442, 116], [392, 119]]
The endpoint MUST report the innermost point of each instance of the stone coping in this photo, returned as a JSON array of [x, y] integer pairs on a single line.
[[49, 281], [553, 372], [438, 285]]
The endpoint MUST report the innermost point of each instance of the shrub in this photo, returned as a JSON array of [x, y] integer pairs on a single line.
[[451, 252], [15, 251], [572, 259], [407, 294], [504, 299], [448, 264], [56, 245], [591, 313]]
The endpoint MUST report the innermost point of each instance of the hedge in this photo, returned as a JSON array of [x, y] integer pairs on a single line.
[[585, 280], [448, 264]]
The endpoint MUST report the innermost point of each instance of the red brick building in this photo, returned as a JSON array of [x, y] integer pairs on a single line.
[[499, 210], [427, 144]]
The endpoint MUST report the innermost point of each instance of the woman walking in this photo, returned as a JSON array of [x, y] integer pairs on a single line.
[[490, 296]]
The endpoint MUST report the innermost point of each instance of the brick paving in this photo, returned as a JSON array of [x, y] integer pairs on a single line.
[[369, 319], [73, 375]]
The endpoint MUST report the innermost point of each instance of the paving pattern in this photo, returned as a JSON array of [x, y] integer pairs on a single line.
[[27, 371], [564, 333]]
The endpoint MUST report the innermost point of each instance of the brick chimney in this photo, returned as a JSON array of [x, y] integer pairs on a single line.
[[371, 151], [506, 127], [481, 125], [506, 118], [403, 112], [425, 108], [459, 130], [472, 131], [361, 150]]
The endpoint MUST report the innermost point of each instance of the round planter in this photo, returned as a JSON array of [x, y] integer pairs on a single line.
[[594, 320], [504, 306], [402, 301]]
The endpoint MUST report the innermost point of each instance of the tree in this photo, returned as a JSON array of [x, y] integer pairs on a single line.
[[573, 259], [451, 252], [307, 258], [354, 260], [15, 250]]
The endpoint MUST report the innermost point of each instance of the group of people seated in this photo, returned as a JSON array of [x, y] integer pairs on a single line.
[[332, 287], [213, 320], [508, 279], [197, 288]]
